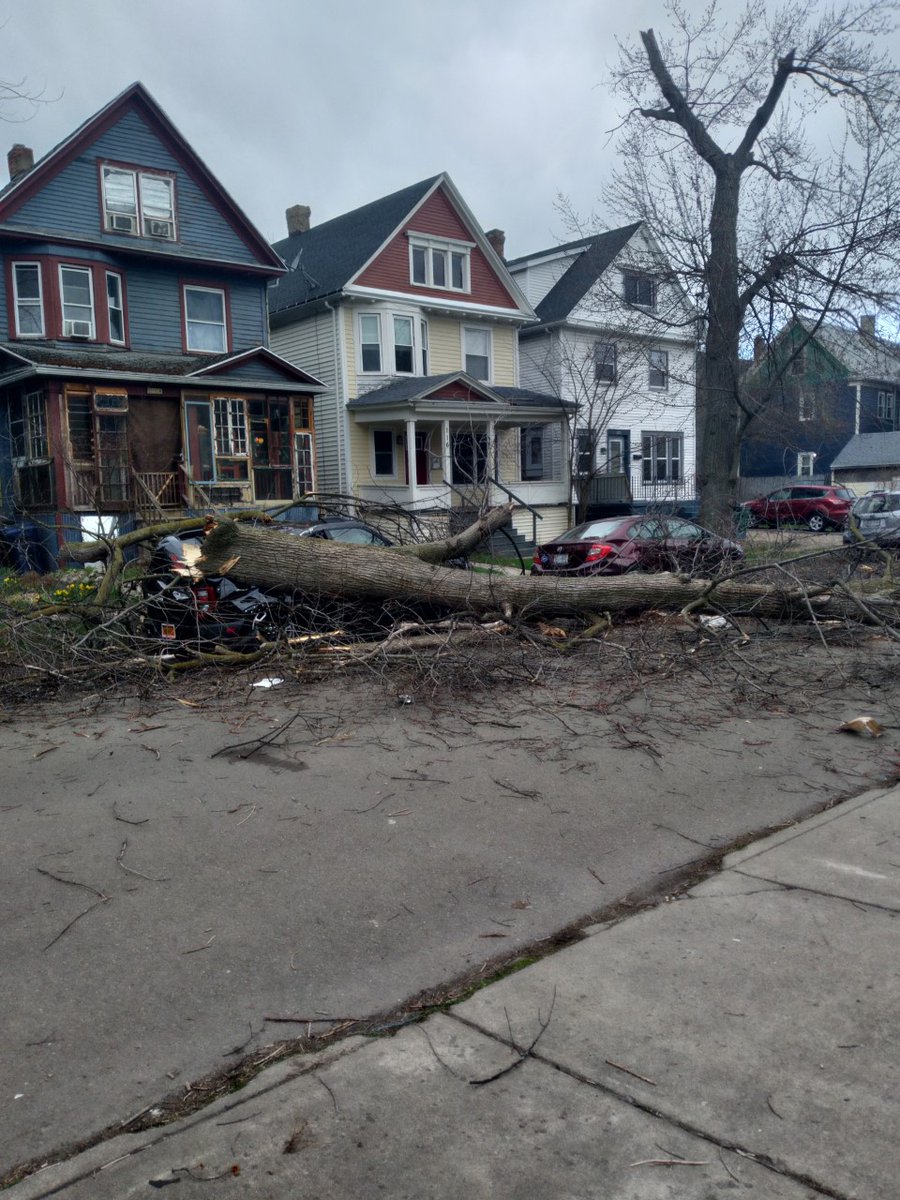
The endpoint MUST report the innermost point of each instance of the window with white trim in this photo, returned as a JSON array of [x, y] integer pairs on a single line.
[[885, 406], [28, 299], [806, 463], [439, 264], [231, 427], [404, 357], [423, 345], [140, 203], [115, 307], [605, 362], [383, 452], [658, 373], [477, 353], [76, 292], [370, 342], [639, 289], [204, 320], [662, 454]]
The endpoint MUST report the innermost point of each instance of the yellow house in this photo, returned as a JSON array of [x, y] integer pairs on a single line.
[[406, 312]]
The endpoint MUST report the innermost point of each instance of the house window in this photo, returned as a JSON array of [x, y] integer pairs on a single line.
[[81, 426], [477, 351], [806, 405], [885, 407], [806, 461], [423, 345], [439, 264], [469, 451], [797, 364], [231, 427], [585, 443], [638, 289], [370, 341], [383, 452], [403, 346], [663, 454], [532, 448], [29, 300], [76, 289], [140, 203], [658, 374], [204, 315], [115, 307], [605, 362]]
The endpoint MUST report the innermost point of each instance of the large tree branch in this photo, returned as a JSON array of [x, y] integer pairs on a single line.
[[679, 110], [744, 153]]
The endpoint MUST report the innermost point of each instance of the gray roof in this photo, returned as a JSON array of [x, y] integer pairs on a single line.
[[596, 254], [863, 356], [869, 450], [398, 391], [17, 355], [326, 257]]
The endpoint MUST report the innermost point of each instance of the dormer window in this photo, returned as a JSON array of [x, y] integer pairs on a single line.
[[437, 263], [76, 290], [139, 203]]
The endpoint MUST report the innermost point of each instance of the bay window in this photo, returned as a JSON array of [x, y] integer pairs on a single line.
[[29, 300], [403, 346], [370, 342], [76, 289], [115, 307]]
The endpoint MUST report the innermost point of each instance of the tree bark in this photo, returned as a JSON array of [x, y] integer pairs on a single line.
[[312, 566]]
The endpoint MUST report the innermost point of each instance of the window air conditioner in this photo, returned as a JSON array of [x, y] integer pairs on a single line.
[[159, 229], [121, 222], [77, 329]]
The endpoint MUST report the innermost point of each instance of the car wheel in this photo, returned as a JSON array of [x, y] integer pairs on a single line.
[[816, 523]]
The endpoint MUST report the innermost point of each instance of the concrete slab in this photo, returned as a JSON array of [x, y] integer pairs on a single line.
[[851, 851], [399, 1118], [765, 1018]]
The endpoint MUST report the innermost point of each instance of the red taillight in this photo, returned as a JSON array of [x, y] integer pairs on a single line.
[[536, 557], [205, 596], [597, 551]]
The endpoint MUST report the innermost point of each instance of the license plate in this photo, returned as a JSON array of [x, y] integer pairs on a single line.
[[168, 632], [560, 560]]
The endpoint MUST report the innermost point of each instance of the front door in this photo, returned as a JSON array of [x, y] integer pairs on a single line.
[[617, 453], [423, 472]]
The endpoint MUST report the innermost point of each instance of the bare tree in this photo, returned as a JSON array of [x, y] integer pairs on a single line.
[[762, 151]]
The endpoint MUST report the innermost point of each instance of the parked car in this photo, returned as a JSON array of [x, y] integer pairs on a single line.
[[614, 545], [818, 506], [338, 529], [875, 517]]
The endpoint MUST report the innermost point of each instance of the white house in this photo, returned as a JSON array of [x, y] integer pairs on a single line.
[[615, 337]]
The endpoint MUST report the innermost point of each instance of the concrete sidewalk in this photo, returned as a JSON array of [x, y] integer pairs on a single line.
[[740, 1039]]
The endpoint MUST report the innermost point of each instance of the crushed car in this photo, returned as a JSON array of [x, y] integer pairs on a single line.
[[616, 545]]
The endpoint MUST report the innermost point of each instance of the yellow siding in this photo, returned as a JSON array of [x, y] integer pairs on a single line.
[[504, 349], [508, 454], [444, 346], [360, 459], [555, 522], [349, 350]]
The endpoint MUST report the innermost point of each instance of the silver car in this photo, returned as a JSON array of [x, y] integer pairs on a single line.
[[875, 517]]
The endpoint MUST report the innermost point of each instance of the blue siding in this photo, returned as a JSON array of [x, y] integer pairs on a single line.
[[258, 374], [154, 306], [70, 202]]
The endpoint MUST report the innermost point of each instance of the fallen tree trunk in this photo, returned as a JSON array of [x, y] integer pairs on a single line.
[[461, 543], [312, 566]]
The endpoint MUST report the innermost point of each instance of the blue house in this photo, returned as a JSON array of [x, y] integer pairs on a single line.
[[135, 374], [831, 383]]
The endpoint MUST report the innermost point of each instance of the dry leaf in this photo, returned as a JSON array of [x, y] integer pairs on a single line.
[[553, 631], [862, 727], [190, 703]]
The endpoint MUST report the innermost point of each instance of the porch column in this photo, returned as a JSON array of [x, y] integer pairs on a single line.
[[411, 460], [491, 465], [447, 465]]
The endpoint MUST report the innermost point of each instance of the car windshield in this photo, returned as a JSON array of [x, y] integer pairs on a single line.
[[843, 493], [590, 531], [882, 502]]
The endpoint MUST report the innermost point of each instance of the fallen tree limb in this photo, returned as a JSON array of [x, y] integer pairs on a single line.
[[316, 567], [461, 543]]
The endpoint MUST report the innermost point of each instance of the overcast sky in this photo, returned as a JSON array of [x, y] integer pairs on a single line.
[[333, 103]]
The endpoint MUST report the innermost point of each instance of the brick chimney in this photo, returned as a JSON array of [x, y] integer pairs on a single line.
[[867, 325], [497, 238], [298, 218], [20, 159]]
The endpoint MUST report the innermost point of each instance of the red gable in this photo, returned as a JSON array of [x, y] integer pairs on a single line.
[[437, 217]]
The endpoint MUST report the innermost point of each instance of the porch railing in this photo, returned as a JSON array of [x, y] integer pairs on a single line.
[[624, 488]]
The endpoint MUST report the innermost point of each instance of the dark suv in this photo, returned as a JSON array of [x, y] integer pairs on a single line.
[[818, 506]]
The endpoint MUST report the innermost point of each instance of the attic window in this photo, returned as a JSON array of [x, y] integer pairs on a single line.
[[139, 203], [638, 289], [438, 263]]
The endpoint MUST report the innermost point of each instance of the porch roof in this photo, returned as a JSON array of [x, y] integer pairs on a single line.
[[868, 450], [23, 360], [412, 391]]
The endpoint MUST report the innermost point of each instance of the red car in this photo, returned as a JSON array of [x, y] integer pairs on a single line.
[[818, 506], [614, 545]]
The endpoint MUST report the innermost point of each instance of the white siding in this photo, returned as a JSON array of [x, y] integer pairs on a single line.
[[537, 279]]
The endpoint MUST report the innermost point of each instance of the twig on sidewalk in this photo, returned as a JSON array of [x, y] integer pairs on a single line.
[[618, 1066]]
